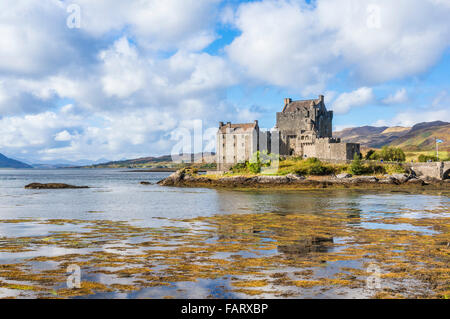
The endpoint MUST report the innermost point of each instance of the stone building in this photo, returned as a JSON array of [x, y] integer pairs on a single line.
[[304, 129], [236, 143]]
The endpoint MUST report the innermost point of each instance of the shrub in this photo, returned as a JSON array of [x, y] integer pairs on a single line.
[[357, 168], [394, 169], [313, 166], [389, 154], [254, 168], [258, 161], [369, 154], [239, 168], [375, 169], [425, 158]]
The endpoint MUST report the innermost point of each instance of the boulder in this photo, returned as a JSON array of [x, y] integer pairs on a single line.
[[388, 179], [173, 179], [416, 181], [272, 179], [52, 186], [344, 175], [402, 178], [365, 179], [235, 180], [295, 177]]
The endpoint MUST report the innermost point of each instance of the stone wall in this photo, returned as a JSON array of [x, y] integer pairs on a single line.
[[433, 170], [331, 150]]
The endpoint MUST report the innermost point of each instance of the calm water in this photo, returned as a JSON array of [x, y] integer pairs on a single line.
[[117, 195]]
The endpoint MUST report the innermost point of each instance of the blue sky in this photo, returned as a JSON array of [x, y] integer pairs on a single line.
[[136, 72]]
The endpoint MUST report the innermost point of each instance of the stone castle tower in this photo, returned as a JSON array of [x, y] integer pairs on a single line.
[[303, 122], [303, 129]]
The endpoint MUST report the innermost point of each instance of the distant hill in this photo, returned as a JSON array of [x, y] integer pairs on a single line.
[[6, 162], [62, 163], [151, 162], [420, 137]]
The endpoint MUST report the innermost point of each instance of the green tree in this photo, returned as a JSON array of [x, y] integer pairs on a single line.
[[357, 168], [389, 154], [425, 158], [369, 154]]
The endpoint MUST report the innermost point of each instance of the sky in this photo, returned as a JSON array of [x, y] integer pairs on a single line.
[[114, 79]]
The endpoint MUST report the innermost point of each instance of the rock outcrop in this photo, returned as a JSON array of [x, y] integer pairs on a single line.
[[185, 178], [53, 186]]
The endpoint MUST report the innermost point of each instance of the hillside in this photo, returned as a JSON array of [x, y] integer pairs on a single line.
[[420, 137], [154, 163], [6, 162]]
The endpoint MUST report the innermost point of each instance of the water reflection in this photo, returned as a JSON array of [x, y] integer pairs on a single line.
[[119, 196], [303, 247]]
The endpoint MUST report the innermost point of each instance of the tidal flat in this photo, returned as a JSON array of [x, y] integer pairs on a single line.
[[167, 242]]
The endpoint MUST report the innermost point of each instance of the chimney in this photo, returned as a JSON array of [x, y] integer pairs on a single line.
[[287, 101], [220, 124], [229, 124], [256, 122], [321, 99]]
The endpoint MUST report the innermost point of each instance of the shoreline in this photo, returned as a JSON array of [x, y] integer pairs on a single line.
[[182, 178]]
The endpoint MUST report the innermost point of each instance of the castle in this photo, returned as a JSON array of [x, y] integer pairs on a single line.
[[303, 129]]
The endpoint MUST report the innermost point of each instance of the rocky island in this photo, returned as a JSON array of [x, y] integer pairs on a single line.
[[53, 186], [188, 178]]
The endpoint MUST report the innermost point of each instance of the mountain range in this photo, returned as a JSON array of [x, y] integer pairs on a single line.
[[420, 137], [6, 162]]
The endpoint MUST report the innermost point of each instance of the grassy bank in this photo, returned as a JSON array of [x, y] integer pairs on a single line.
[[315, 167]]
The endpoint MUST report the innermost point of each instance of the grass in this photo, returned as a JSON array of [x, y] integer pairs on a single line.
[[315, 167], [414, 156]]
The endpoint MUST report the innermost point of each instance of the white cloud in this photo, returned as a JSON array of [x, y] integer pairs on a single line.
[[442, 100], [122, 71], [401, 96], [168, 24], [33, 37], [342, 127], [135, 70], [290, 43], [63, 136], [412, 117], [346, 101]]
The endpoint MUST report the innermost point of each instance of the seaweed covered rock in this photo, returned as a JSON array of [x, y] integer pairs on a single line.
[[344, 175], [388, 179], [53, 186], [272, 179], [294, 177], [173, 179], [416, 181], [364, 179], [402, 178]]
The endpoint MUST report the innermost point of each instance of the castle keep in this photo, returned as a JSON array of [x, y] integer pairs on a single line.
[[303, 129]]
